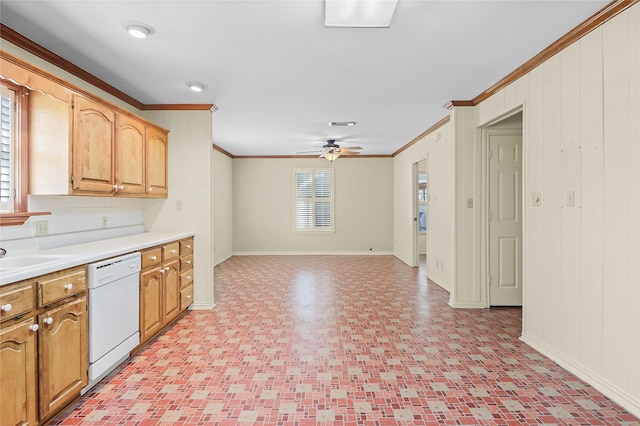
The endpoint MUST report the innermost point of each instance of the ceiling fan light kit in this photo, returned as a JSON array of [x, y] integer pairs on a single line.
[[331, 155]]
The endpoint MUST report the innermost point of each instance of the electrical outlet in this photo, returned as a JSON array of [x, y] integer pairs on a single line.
[[42, 228], [104, 222]]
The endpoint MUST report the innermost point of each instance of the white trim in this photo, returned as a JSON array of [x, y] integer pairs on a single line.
[[619, 396], [222, 260], [313, 253], [202, 306], [467, 305]]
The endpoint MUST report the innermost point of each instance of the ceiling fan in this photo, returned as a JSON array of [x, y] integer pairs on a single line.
[[332, 151]]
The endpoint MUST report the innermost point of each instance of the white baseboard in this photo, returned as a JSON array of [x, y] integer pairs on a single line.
[[617, 395], [466, 305], [222, 260], [313, 253], [202, 306]]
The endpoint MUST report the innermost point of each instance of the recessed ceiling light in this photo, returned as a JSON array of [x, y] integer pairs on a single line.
[[138, 29], [196, 86]]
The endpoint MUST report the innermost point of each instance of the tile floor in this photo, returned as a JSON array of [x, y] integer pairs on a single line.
[[366, 340]]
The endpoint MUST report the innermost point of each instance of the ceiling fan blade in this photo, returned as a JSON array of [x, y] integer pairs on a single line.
[[349, 153], [309, 152], [352, 147]]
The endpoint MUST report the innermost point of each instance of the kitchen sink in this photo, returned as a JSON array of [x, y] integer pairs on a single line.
[[10, 263]]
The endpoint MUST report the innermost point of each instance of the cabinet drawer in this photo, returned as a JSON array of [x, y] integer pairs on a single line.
[[186, 297], [170, 251], [16, 299], [186, 278], [186, 263], [57, 286], [151, 257], [186, 246]]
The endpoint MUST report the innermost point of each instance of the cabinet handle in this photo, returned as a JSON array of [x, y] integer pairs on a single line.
[[150, 188], [154, 258], [115, 188], [188, 296], [121, 187], [162, 270], [34, 327], [188, 277], [188, 262], [6, 307], [48, 321], [167, 269], [173, 251], [188, 246], [68, 286]]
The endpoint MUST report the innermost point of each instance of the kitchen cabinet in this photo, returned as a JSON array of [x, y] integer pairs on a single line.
[[18, 371], [62, 355], [130, 166], [43, 345], [94, 133], [80, 144], [162, 285], [156, 163]]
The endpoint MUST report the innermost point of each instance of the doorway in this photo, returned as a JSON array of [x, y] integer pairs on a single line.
[[503, 146], [420, 184]]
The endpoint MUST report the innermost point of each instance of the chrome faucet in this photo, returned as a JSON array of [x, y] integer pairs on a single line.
[[2, 252]]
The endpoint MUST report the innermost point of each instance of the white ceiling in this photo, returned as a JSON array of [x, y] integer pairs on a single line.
[[278, 76]]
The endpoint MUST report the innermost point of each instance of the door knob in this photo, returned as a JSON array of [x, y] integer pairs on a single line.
[[48, 321], [34, 327]]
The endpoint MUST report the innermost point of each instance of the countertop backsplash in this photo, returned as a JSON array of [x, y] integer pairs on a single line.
[[74, 220]]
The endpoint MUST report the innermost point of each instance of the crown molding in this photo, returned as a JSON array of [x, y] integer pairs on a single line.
[[449, 105], [223, 151], [35, 49], [431, 129], [594, 21]]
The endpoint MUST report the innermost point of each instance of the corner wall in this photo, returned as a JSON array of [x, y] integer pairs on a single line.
[[581, 274], [222, 207], [190, 181]]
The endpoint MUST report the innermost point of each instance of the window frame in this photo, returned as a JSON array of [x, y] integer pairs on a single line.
[[314, 229], [20, 212]]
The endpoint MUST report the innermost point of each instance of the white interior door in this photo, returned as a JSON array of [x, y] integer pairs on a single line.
[[505, 219]]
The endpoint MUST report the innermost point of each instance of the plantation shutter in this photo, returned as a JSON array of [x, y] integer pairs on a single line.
[[314, 200], [6, 149]]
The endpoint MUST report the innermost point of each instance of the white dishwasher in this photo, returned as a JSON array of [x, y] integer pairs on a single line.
[[114, 293]]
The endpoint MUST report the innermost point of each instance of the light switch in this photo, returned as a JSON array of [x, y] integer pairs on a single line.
[[536, 199], [571, 198]]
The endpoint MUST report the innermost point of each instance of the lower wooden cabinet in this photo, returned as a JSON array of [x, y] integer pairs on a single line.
[[151, 320], [18, 386], [43, 346], [166, 285], [63, 354]]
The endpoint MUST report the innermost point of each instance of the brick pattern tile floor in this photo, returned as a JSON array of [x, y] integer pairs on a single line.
[[358, 340]]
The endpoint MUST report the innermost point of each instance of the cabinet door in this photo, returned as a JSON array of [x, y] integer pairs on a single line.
[[130, 156], [93, 141], [171, 290], [18, 372], [63, 350], [151, 317], [156, 163]]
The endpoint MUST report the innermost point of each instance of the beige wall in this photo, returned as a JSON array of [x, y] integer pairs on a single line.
[[190, 181], [581, 269], [222, 207], [436, 148], [263, 207]]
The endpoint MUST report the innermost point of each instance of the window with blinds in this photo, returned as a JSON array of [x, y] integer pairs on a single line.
[[314, 200], [7, 149]]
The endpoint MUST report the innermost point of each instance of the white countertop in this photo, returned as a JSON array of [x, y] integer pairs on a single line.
[[79, 254]]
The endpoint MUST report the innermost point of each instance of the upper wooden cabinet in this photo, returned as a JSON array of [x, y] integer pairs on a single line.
[[81, 145], [157, 162], [93, 142], [130, 156]]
